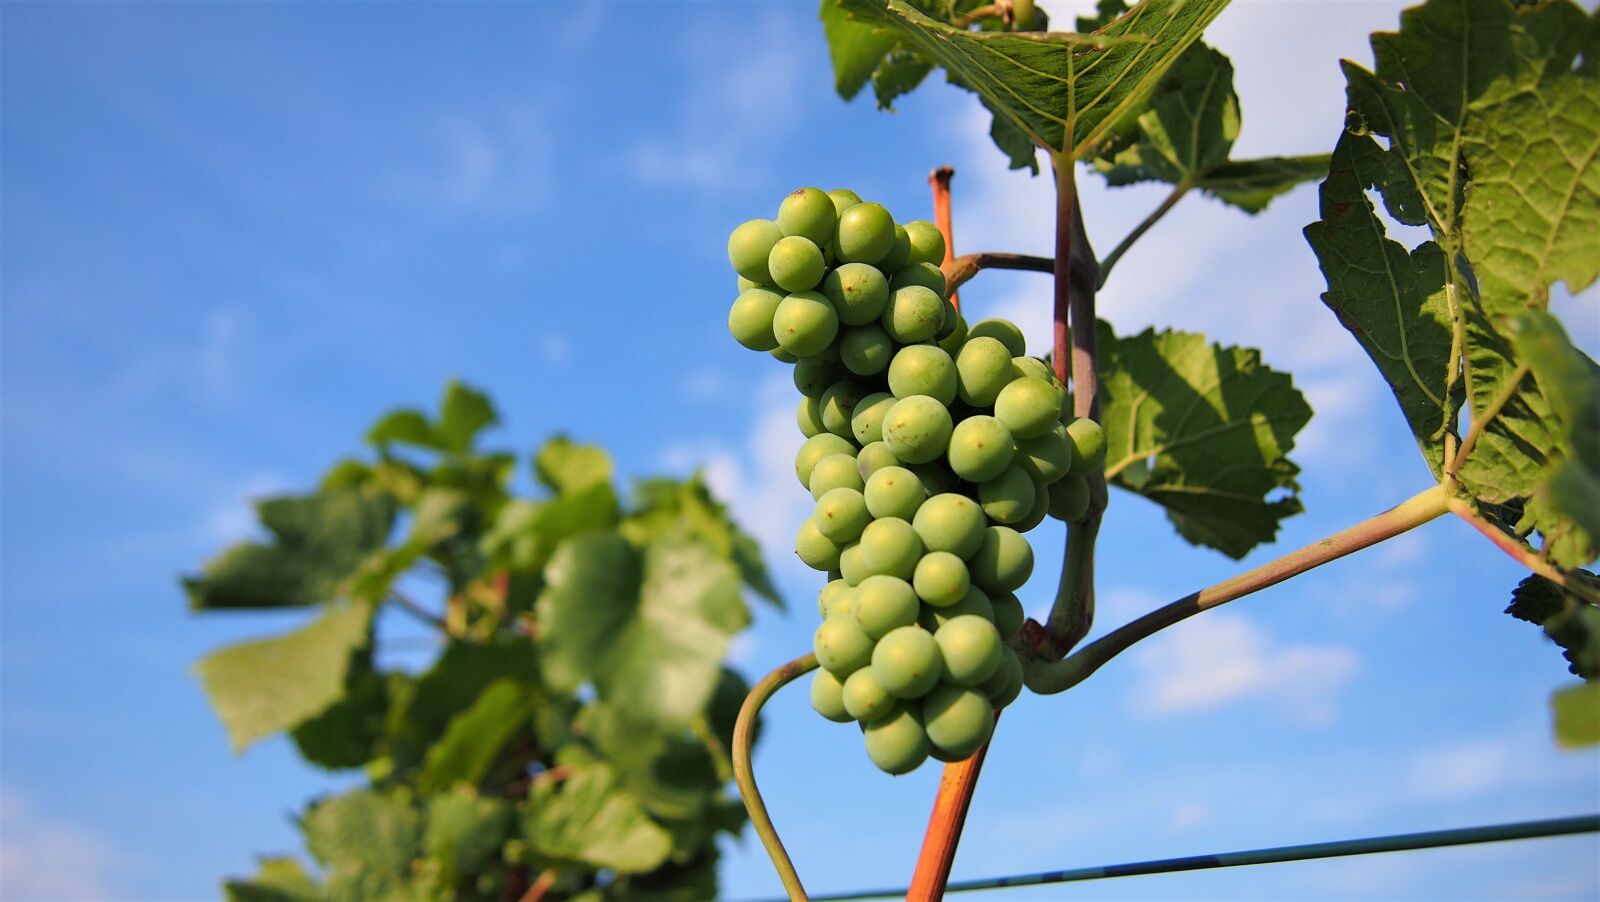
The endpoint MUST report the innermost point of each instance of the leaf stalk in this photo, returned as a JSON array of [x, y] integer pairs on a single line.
[[1171, 201], [1520, 552]]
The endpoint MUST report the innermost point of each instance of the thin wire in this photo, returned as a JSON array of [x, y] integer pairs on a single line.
[[1434, 839]]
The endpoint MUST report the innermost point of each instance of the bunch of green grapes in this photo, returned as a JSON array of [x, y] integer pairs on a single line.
[[930, 449]]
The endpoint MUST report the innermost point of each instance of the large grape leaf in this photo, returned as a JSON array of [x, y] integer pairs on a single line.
[[276, 880], [588, 818], [463, 834], [1067, 92], [365, 842], [567, 466], [318, 541], [1571, 483], [474, 738], [668, 507], [453, 684], [647, 627], [347, 733], [463, 413], [1203, 430], [856, 48], [259, 688]]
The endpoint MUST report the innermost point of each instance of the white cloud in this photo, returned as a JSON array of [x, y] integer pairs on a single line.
[[705, 383], [42, 857], [1216, 660], [496, 160], [555, 349], [1461, 771], [1188, 816]]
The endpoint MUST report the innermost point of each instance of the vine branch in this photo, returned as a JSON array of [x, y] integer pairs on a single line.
[[939, 181], [744, 773], [1520, 552], [959, 270], [1111, 259]]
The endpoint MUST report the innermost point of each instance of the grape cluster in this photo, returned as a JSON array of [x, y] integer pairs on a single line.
[[930, 449]]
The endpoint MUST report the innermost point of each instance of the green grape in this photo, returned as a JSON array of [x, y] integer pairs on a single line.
[[865, 234], [827, 696], [974, 604], [951, 343], [828, 355], [747, 284], [866, 350], [923, 370], [947, 324], [894, 492], [782, 356], [1007, 498], [1088, 446], [839, 404], [841, 514], [805, 323], [899, 253], [1008, 614], [896, 742], [958, 721], [1069, 499], [1040, 508], [927, 242], [1003, 562], [983, 368], [808, 416], [941, 579], [917, 429], [851, 569], [1005, 331], [883, 603], [843, 605], [914, 314], [907, 662], [927, 275], [841, 647], [981, 448], [1006, 684], [814, 376], [829, 593], [815, 549], [808, 212], [890, 547], [1027, 406], [1033, 366], [1049, 455], [796, 264], [858, 292], [843, 199], [748, 247], [835, 471], [750, 320], [936, 478], [814, 449], [864, 699], [970, 646], [950, 522], [866, 420], [875, 456]]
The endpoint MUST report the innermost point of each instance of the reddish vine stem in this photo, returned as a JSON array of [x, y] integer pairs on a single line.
[[939, 180], [540, 886], [959, 270]]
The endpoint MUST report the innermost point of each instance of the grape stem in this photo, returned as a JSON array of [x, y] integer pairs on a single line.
[[1520, 552], [949, 816], [1171, 201], [939, 180], [744, 774], [959, 270], [1048, 677]]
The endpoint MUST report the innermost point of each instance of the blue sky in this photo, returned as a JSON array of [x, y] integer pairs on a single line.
[[233, 234]]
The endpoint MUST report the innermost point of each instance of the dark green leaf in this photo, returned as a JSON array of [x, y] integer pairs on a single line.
[[856, 48], [463, 835], [348, 732], [1571, 622], [694, 880], [474, 738], [668, 771], [463, 413], [1251, 184], [1577, 714], [365, 843], [277, 880], [452, 685], [589, 819]]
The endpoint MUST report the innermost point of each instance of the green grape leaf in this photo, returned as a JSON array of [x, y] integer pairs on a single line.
[[475, 737], [689, 881], [526, 533], [566, 466], [668, 771], [347, 733], [1251, 184], [406, 426], [1568, 620], [1203, 430], [318, 541], [589, 819], [647, 627], [899, 74], [262, 687], [463, 834], [365, 842], [278, 879], [1066, 92], [669, 507], [855, 47], [463, 413], [452, 685], [1569, 497], [1576, 711]]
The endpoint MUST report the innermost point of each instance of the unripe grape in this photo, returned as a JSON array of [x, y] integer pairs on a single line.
[[827, 697], [748, 247], [1033, 366], [866, 420], [890, 547], [1008, 614], [914, 314], [808, 212], [941, 579], [858, 292], [1007, 498], [838, 405], [975, 603], [834, 471], [841, 647], [750, 319], [952, 342], [907, 662], [927, 275], [896, 742], [923, 370], [782, 356], [866, 350], [957, 720], [829, 593], [981, 448], [875, 456], [1088, 446], [927, 242], [917, 429], [815, 549], [805, 323], [899, 253], [1006, 684], [864, 699], [865, 234], [808, 416], [950, 522], [983, 368], [796, 264], [844, 604], [1048, 455], [1040, 509], [947, 323], [814, 376], [936, 478], [851, 568], [1005, 331], [883, 603], [814, 449], [894, 492], [1027, 406], [747, 284], [828, 355], [971, 647], [1069, 499], [1003, 562], [843, 199], [841, 514]]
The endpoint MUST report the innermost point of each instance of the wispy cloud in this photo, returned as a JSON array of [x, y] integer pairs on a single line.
[[496, 161], [43, 857]]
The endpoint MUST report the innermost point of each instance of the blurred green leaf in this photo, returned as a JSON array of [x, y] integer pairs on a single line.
[[463, 413], [365, 842], [589, 819], [464, 834], [277, 880], [668, 507], [452, 685], [566, 466], [475, 737], [1576, 710], [347, 733], [1571, 487]]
